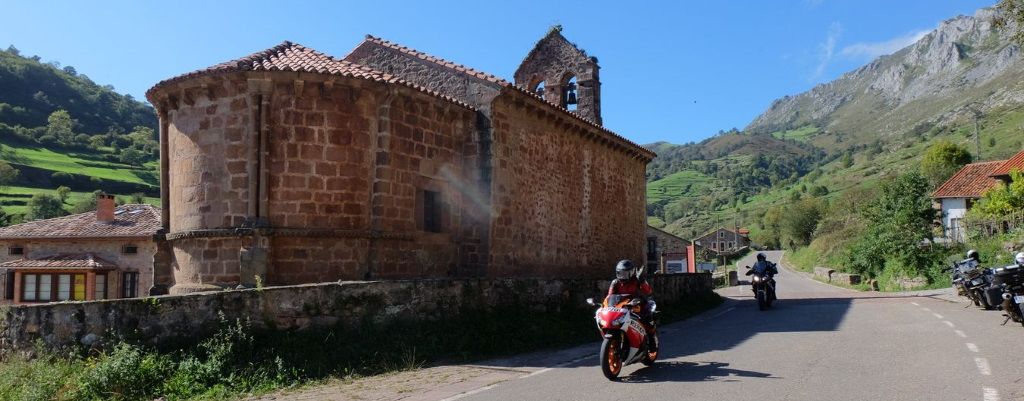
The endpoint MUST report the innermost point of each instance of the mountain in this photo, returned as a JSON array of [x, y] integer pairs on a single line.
[[962, 67], [59, 128], [847, 134]]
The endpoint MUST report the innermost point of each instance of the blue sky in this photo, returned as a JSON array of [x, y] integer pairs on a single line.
[[674, 71]]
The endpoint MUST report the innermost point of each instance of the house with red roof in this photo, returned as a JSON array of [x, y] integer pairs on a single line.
[[958, 194], [1002, 172], [104, 254]]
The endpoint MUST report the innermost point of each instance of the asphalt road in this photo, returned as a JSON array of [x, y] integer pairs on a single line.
[[817, 343]]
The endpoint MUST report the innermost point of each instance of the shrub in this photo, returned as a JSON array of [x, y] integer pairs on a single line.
[[127, 373]]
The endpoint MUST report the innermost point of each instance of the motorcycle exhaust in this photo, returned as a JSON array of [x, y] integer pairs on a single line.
[[1007, 296]]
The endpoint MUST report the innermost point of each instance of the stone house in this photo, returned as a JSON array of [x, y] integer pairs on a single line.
[[957, 195], [667, 253], [101, 255], [723, 241], [292, 166]]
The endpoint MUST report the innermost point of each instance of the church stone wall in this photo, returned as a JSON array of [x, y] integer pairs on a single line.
[[565, 205]]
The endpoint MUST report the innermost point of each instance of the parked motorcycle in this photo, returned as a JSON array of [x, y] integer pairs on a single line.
[[1010, 280], [975, 283], [764, 288], [626, 339]]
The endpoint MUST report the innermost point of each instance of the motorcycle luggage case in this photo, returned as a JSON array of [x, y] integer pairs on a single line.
[[994, 295], [1009, 275]]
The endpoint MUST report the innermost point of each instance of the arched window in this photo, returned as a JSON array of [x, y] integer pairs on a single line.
[[569, 96], [539, 88]]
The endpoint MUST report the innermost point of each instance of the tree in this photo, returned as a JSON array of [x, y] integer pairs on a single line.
[[899, 220], [1003, 199], [819, 191], [5, 219], [942, 160], [63, 193], [45, 206], [13, 50], [801, 219], [7, 174], [847, 160], [87, 204], [61, 126]]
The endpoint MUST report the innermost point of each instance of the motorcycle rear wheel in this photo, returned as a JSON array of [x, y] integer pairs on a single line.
[[611, 365]]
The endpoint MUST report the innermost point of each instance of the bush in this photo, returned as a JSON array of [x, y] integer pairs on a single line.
[[127, 373]]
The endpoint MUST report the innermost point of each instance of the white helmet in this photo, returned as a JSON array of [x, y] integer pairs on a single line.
[[1020, 258]]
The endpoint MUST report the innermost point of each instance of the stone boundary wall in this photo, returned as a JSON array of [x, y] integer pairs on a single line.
[[173, 319]]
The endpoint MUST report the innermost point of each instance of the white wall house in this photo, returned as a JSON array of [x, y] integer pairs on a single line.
[[958, 194]]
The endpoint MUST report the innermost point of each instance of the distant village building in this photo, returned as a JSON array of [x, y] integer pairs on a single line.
[[99, 255], [667, 253], [723, 241], [291, 166], [957, 195]]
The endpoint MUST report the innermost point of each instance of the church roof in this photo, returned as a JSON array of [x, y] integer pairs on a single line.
[[294, 57], [970, 182], [491, 78], [462, 69]]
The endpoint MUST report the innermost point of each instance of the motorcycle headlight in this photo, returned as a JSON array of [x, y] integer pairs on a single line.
[[757, 278], [977, 281]]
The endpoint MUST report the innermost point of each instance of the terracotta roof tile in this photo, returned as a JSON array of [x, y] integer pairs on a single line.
[[1015, 163], [130, 221], [437, 60], [86, 261], [496, 80], [970, 182], [289, 56]]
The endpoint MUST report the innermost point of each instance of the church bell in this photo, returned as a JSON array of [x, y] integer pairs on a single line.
[[570, 97]]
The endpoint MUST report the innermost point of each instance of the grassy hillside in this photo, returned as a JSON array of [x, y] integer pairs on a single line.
[[58, 128]]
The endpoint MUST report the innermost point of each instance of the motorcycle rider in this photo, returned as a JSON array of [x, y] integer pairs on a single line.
[[1020, 259], [764, 267], [972, 262], [627, 282]]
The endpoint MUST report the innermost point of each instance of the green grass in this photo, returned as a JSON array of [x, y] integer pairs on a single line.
[[14, 199], [802, 134], [679, 184], [76, 163]]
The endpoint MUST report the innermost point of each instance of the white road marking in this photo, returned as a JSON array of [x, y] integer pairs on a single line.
[[915, 304], [972, 347], [561, 365], [961, 333], [722, 312], [983, 366], [991, 394], [938, 315], [926, 309], [948, 323]]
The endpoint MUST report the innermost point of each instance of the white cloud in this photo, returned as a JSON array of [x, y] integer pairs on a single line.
[[875, 49], [827, 49]]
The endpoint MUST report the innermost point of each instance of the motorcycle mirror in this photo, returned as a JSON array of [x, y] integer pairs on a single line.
[[590, 301], [748, 267]]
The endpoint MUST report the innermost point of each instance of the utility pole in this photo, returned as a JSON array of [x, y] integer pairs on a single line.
[[977, 139]]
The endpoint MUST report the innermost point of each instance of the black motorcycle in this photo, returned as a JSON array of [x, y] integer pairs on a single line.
[[763, 286], [1010, 280], [975, 283]]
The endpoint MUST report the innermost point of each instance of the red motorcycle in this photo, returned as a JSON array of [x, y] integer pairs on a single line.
[[627, 339]]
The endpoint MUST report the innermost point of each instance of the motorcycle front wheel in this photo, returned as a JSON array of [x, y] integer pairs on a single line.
[[652, 352], [760, 300], [611, 365]]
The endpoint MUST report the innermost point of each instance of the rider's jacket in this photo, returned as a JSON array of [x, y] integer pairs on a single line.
[[763, 266], [632, 286]]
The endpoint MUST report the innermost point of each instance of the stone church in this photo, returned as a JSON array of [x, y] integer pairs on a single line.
[[291, 166]]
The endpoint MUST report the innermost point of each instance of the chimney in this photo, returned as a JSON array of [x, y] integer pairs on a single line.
[[104, 208]]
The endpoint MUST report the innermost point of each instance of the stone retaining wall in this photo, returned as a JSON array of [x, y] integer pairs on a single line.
[[172, 319]]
